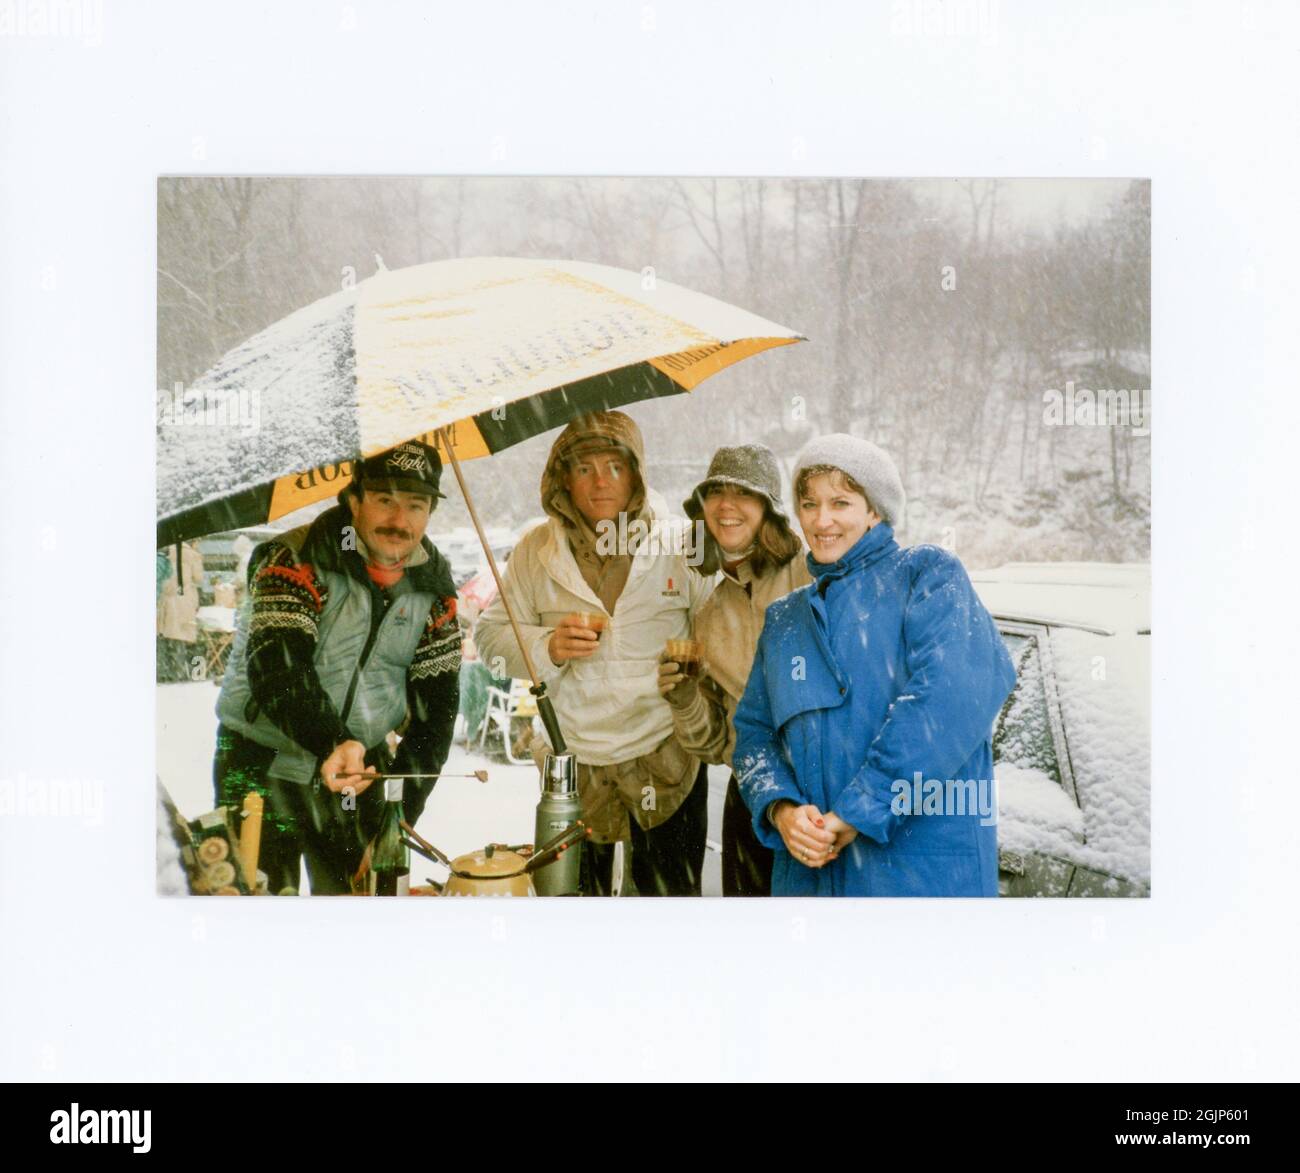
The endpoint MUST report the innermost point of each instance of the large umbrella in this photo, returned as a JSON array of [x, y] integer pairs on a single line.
[[469, 355], [494, 350]]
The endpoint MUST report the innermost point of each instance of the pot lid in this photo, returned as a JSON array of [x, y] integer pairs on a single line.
[[481, 866]]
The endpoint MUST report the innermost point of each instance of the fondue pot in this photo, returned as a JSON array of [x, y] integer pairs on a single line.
[[490, 872], [497, 870]]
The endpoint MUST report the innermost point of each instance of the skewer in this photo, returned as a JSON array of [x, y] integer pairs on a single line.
[[412, 845], [481, 775], [430, 852]]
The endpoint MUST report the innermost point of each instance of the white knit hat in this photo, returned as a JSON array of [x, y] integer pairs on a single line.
[[871, 466]]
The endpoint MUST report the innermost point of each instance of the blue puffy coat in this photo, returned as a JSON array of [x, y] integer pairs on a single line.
[[873, 695]]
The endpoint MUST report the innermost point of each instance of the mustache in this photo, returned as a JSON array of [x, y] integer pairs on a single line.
[[392, 532]]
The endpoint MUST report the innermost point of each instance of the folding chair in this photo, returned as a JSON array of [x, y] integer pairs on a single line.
[[503, 709], [217, 646]]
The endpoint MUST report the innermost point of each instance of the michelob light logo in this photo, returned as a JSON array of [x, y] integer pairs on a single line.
[[102, 1126], [408, 458]]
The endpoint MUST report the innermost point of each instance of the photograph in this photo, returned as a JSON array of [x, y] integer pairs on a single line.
[[653, 536], [695, 456]]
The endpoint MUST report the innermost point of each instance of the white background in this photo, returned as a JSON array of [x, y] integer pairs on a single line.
[[103, 980]]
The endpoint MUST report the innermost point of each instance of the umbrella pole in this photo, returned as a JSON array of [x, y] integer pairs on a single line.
[[544, 707]]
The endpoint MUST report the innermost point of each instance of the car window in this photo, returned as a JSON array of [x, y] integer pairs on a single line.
[[1023, 735]]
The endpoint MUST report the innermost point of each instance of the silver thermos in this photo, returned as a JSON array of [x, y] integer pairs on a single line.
[[558, 810]]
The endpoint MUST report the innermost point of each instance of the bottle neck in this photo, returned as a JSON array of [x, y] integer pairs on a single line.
[[390, 856]]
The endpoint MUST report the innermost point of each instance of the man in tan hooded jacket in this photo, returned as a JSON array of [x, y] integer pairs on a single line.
[[610, 551]]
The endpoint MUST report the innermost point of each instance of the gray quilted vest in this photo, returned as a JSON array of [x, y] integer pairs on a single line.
[[370, 696]]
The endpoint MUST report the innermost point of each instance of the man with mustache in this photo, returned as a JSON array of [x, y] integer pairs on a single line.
[[350, 631]]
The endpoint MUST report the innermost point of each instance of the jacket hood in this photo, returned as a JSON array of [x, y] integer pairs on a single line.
[[596, 432]]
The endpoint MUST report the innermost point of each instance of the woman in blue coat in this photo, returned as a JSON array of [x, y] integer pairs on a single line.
[[863, 737]]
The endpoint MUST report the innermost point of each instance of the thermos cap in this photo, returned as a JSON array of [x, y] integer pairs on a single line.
[[559, 775]]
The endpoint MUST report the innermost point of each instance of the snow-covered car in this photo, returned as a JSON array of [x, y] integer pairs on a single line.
[[1072, 745]]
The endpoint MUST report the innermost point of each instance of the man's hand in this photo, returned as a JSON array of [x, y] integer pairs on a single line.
[[339, 770], [805, 833], [572, 641], [674, 686]]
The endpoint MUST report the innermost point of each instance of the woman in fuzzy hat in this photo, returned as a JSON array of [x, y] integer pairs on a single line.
[[747, 535], [873, 686]]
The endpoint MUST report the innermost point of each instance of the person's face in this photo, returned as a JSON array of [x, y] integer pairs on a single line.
[[600, 485], [733, 516], [390, 523], [833, 517]]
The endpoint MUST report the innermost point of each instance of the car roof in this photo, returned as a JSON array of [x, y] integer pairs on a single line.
[[1106, 597]]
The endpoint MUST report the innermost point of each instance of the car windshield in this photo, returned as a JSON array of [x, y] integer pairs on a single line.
[[1023, 737]]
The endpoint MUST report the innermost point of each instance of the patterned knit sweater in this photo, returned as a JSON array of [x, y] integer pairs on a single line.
[[288, 597]]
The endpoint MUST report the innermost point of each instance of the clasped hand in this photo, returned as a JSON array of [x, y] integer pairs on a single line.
[[813, 838]]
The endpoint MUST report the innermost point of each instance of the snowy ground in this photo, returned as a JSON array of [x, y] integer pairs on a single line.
[[461, 815]]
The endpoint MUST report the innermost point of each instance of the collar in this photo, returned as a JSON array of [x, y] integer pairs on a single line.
[[742, 572], [871, 547]]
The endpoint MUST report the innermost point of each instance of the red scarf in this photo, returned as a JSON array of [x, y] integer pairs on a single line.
[[385, 576]]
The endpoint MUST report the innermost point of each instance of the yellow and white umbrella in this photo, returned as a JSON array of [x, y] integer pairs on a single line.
[[478, 354]]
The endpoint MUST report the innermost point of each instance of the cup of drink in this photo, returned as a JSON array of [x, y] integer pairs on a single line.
[[687, 654], [592, 621]]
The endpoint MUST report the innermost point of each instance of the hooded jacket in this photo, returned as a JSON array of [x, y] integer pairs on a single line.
[[608, 704], [887, 668]]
